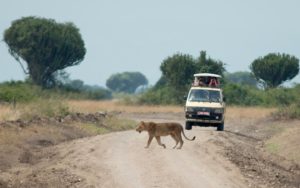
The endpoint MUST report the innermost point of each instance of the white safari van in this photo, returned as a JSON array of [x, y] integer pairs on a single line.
[[205, 103]]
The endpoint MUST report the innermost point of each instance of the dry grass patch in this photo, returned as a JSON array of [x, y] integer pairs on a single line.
[[239, 113], [87, 106], [8, 113], [232, 112], [37, 108], [248, 112], [280, 137], [286, 143], [55, 107], [43, 108]]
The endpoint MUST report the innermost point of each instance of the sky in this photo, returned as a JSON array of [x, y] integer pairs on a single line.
[[137, 35]]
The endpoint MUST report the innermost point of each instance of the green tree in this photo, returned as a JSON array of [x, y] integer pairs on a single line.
[[274, 69], [177, 76], [162, 82], [209, 65], [126, 82], [178, 70], [45, 45]]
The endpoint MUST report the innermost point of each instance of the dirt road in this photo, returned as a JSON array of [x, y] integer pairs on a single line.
[[48, 154], [120, 160], [233, 158]]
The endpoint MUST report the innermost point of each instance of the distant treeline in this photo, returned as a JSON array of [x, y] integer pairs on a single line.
[[262, 86], [235, 93]]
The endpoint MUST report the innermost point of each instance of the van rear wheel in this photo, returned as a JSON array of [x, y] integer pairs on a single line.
[[188, 125]]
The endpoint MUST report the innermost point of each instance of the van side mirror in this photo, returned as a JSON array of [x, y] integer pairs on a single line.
[[224, 99], [184, 97]]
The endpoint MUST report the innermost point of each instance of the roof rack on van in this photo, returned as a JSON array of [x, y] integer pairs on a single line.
[[207, 75], [207, 80]]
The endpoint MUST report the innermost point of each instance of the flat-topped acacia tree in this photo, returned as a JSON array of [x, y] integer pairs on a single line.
[[275, 68], [46, 46]]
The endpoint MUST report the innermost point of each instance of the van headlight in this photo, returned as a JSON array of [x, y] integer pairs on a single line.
[[189, 109], [219, 110]]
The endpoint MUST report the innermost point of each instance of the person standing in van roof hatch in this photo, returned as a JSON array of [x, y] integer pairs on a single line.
[[213, 82], [201, 82]]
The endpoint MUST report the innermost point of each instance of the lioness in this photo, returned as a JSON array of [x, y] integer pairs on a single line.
[[163, 129]]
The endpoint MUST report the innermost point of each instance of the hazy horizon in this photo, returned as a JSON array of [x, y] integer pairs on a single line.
[[137, 36]]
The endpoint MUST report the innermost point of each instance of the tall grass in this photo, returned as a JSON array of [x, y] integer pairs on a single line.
[[288, 112], [44, 108], [8, 112], [232, 112], [37, 108], [240, 113]]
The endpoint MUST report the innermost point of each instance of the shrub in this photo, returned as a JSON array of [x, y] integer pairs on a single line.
[[242, 95], [279, 96], [162, 95], [98, 94], [17, 91]]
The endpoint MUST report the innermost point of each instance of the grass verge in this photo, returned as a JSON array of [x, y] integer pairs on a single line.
[[87, 106], [286, 143]]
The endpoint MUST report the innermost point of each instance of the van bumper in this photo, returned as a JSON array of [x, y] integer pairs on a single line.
[[205, 121]]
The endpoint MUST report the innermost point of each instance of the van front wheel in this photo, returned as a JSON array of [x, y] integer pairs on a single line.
[[220, 127], [188, 125]]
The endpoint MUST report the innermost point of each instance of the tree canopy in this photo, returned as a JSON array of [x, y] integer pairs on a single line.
[[208, 65], [45, 45], [178, 73], [274, 69], [178, 70], [126, 82]]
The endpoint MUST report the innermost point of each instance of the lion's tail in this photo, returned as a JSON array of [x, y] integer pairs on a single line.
[[187, 137]]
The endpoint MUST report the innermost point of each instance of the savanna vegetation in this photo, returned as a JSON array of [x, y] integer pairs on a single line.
[[20, 92], [48, 107], [48, 47], [263, 86]]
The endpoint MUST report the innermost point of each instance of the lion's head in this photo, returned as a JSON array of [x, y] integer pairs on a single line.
[[141, 127]]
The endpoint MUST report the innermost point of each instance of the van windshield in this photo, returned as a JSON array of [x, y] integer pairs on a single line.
[[198, 95]]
